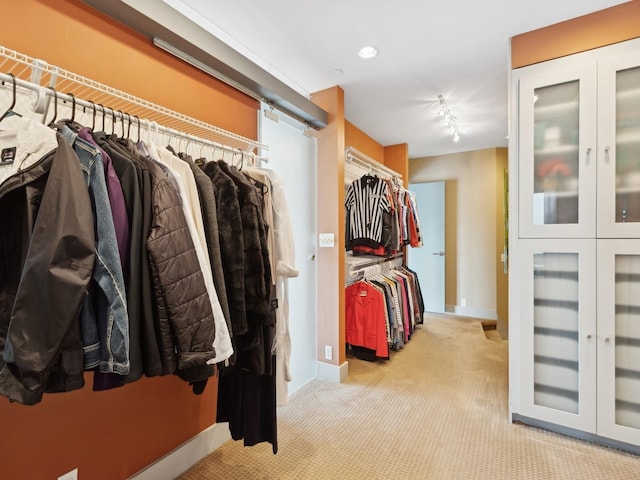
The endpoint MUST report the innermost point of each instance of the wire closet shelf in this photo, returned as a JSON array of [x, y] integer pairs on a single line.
[[51, 82]]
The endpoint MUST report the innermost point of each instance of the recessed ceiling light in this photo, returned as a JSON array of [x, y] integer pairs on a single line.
[[368, 52]]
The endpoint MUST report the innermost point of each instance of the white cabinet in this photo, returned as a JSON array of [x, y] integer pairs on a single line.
[[580, 352], [578, 141], [575, 243]]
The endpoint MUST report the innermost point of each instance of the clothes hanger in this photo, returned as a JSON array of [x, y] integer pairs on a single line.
[[200, 160], [73, 106], [129, 126], [126, 118], [154, 137], [113, 121], [102, 108], [138, 121], [52, 123], [71, 123], [241, 152], [9, 110], [93, 120], [125, 123]]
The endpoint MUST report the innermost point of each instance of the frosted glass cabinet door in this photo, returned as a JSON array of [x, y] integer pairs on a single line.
[[557, 153], [619, 340], [558, 335], [619, 146]]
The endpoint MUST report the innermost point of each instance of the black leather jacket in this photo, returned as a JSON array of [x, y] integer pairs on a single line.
[[46, 258]]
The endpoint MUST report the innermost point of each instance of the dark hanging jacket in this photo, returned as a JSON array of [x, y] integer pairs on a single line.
[[247, 393], [47, 251], [257, 273], [231, 244], [144, 351], [184, 313]]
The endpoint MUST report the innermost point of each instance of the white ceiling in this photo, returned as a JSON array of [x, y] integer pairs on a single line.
[[457, 48]]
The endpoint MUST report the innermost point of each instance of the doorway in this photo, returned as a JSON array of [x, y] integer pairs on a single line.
[[292, 155], [429, 261]]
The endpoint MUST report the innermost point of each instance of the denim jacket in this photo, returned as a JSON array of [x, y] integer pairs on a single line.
[[103, 319]]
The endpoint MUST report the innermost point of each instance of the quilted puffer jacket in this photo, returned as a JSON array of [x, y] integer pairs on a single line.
[[185, 319]]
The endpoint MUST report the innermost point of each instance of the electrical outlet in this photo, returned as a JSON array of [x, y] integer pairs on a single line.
[[327, 240], [72, 475], [328, 352], [463, 302]]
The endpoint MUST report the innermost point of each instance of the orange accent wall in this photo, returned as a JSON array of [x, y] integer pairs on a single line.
[[356, 138], [396, 157], [611, 25], [107, 435], [111, 435]]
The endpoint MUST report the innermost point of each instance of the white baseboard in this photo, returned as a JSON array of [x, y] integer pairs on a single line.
[[333, 373], [186, 455], [483, 313]]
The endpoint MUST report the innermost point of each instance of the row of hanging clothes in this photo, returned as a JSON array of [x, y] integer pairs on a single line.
[[383, 307], [127, 259], [381, 217]]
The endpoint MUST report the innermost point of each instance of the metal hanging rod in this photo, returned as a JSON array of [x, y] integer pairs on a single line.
[[40, 77], [356, 157]]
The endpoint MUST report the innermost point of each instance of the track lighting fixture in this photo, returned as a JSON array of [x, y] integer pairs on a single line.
[[449, 119]]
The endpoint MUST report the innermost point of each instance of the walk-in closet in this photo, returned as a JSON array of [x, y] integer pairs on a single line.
[[288, 241]]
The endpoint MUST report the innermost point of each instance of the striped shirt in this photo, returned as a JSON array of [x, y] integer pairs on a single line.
[[366, 201]]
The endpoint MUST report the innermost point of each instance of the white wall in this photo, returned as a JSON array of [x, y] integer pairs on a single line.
[[470, 268]]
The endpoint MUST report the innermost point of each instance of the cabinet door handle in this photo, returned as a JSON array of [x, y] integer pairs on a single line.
[[588, 156], [588, 335], [607, 339], [607, 158]]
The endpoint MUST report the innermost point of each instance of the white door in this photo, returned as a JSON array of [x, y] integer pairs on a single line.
[[619, 340], [429, 260], [292, 156], [557, 150], [558, 331], [619, 145]]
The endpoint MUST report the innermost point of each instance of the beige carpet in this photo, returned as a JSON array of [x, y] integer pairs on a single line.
[[436, 410]]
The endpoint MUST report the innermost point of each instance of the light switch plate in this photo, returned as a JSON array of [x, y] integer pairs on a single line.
[[326, 240], [328, 352]]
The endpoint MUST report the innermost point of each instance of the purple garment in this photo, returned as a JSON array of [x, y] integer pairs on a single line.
[[116, 200]]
